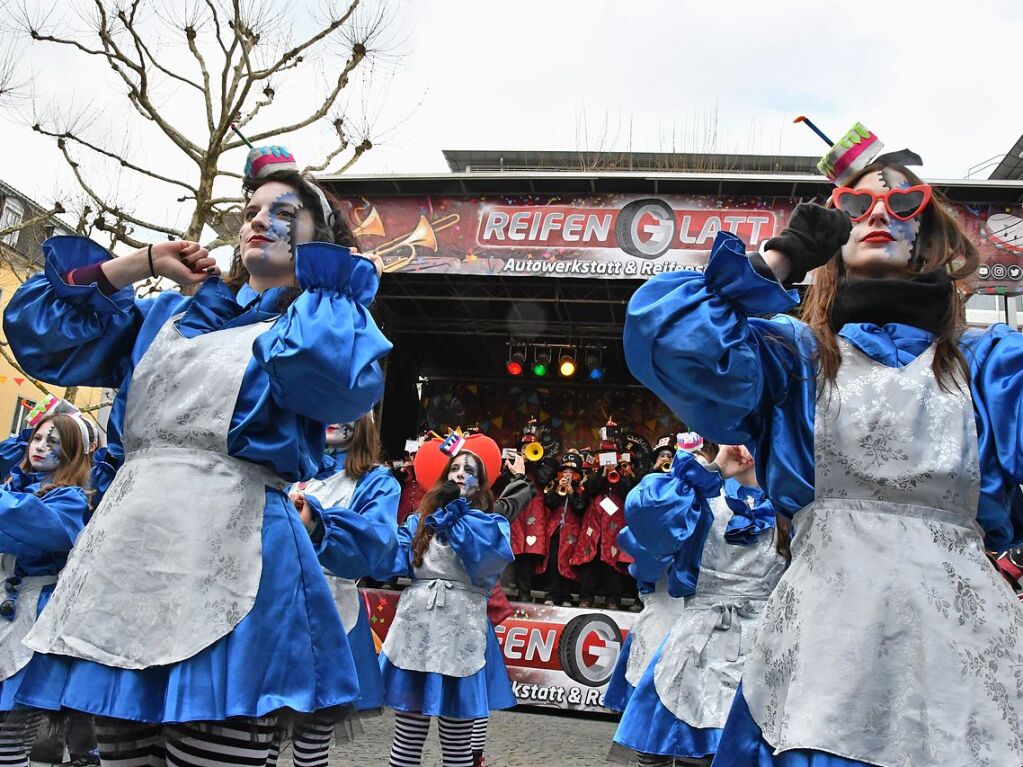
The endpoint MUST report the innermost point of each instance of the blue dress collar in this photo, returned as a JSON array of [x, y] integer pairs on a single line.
[[215, 307], [893, 344]]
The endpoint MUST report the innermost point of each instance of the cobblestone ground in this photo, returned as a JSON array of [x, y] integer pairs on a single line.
[[515, 739]]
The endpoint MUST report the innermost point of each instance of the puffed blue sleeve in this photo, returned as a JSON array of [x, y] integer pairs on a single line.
[[30, 525], [73, 335], [105, 464], [689, 339], [668, 514], [12, 451], [996, 361], [645, 567], [362, 538], [481, 540], [752, 514], [322, 356]]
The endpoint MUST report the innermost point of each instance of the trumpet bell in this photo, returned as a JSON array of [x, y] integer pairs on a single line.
[[533, 451], [372, 224], [562, 490]]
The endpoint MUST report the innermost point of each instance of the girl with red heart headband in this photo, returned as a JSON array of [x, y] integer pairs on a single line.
[[441, 657], [880, 425]]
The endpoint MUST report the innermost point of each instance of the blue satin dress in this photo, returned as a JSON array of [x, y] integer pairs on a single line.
[[39, 531], [317, 364], [698, 341], [361, 539], [482, 542]]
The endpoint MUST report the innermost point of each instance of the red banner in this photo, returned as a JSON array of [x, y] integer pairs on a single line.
[[615, 236], [561, 657]]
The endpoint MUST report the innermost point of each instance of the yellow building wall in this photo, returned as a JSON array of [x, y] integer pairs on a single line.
[[15, 385]]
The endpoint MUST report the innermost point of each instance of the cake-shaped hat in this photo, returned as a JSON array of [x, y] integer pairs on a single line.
[[849, 155]]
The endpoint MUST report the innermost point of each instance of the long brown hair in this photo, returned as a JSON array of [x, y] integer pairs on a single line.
[[336, 230], [364, 451], [484, 501], [74, 465], [941, 244]]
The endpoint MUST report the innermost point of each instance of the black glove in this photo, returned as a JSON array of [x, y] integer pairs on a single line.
[[449, 491], [813, 237]]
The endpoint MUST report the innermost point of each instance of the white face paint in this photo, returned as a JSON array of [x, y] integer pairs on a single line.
[[340, 435], [465, 472], [44, 448], [274, 221], [881, 245]]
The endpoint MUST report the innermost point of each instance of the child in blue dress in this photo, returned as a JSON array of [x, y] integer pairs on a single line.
[[193, 617], [441, 657], [44, 504]]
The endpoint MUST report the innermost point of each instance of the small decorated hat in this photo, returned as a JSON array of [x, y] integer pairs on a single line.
[[529, 431], [666, 442], [571, 460], [847, 156], [263, 160], [689, 441]]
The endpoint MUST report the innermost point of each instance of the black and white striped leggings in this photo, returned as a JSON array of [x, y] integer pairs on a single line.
[[241, 742], [410, 731], [310, 745], [17, 733]]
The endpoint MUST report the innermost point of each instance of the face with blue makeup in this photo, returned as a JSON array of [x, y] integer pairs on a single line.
[[44, 449], [881, 245], [465, 472], [275, 220]]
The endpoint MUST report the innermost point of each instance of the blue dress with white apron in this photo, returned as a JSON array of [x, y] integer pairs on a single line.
[[685, 691], [885, 474], [195, 593], [36, 534], [358, 521], [441, 656]]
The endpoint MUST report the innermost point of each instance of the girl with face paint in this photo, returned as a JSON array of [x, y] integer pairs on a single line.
[[350, 510], [881, 425], [44, 504], [223, 395], [441, 657]]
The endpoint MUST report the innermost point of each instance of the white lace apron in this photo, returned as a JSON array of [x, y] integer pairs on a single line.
[[337, 490], [891, 639], [699, 668], [660, 611], [171, 560], [441, 622], [14, 654]]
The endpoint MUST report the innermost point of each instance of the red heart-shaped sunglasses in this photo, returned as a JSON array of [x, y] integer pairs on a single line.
[[903, 203]]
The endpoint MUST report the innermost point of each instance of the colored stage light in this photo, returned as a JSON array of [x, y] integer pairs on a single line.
[[593, 368], [566, 366], [516, 363], [541, 362]]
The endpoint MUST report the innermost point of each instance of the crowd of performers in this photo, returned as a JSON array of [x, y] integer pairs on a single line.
[[828, 588]]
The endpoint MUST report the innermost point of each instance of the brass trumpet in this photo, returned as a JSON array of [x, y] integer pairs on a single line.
[[563, 490], [423, 236]]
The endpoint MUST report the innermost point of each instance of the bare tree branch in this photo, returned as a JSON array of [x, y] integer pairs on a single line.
[[111, 155], [6, 354]]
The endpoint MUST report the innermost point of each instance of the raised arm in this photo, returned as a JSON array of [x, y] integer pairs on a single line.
[[996, 361], [668, 514], [688, 337], [323, 355]]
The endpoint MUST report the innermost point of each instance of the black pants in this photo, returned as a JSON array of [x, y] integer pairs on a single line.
[[600, 579], [524, 569], [559, 588]]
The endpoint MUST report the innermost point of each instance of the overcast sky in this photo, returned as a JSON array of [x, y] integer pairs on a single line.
[[939, 77]]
